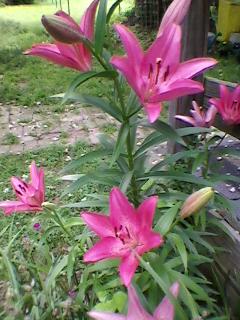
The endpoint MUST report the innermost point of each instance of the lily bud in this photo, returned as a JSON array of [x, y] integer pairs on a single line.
[[49, 206], [196, 201], [61, 30]]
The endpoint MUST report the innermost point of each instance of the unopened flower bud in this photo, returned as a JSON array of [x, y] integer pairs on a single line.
[[62, 30], [196, 201], [37, 226], [49, 206]]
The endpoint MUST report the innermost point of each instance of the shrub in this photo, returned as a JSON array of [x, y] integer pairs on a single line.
[[17, 2]]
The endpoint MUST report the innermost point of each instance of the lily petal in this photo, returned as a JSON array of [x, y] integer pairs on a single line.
[[34, 175], [165, 311], [177, 89], [135, 309], [10, 207], [108, 247], [151, 240], [124, 65], [153, 111], [127, 268], [131, 44], [166, 47], [87, 21], [192, 68], [99, 223], [51, 53], [68, 19], [77, 53], [105, 316], [146, 211], [211, 114], [121, 211], [186, 119], [175, 13]]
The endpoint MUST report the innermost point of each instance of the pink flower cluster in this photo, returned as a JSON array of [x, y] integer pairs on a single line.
[[124, 234]]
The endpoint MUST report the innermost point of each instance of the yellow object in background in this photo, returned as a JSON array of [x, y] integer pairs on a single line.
[[228, 18]]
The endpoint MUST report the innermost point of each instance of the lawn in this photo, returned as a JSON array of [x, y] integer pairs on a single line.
[[27, 80]]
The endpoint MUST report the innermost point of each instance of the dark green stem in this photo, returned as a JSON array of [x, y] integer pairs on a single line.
[[125, 120], [58, 220], [129, 145]]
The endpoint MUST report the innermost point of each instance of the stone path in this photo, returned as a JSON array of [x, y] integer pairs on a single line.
[[23, 128]]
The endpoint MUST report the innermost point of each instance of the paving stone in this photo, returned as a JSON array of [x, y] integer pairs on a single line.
[[4, 149]]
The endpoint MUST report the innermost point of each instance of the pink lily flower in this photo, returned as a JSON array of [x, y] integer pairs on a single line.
[[127, 230], [200, 118], [165, 310], [76, 55], [157, 74], [175, 13], [30, 195], [228, 105]]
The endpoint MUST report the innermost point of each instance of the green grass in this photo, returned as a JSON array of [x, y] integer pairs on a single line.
[[31, 14], [9, 139], [27, 80], [228, 69], [52, 159]]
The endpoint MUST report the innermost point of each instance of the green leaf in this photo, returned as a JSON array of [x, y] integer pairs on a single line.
[[87, 204], [179, 244], [4, 230], [100, 103], [70, 263], [199, 160], [84, 77], [192, 130], [175, 157], [55, 272], [177, 176], [126, 180], [168, 131], [109, 177], [12, 274], [112, 9], [100, 29], [166, 220], [90, 156], [163, 286], [121, 139], [185, 294], [73, 222], [120, 300], [153, 139]]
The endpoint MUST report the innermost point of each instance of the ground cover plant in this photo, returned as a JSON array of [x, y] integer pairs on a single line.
[[126, 238]]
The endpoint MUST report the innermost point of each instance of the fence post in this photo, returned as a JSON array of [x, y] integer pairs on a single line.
[[194, 44]]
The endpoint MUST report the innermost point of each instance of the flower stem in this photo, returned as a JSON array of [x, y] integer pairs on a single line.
[[56, 217]]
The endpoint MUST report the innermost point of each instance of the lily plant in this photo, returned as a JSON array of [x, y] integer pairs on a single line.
[[154, 234]]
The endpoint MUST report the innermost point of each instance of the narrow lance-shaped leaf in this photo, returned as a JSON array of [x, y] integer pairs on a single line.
[[112, 9], [84, 77], [180, 246], [122, 136], [55, 271], [102, 104], [100, 30], [90, 156], [166, 220]]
